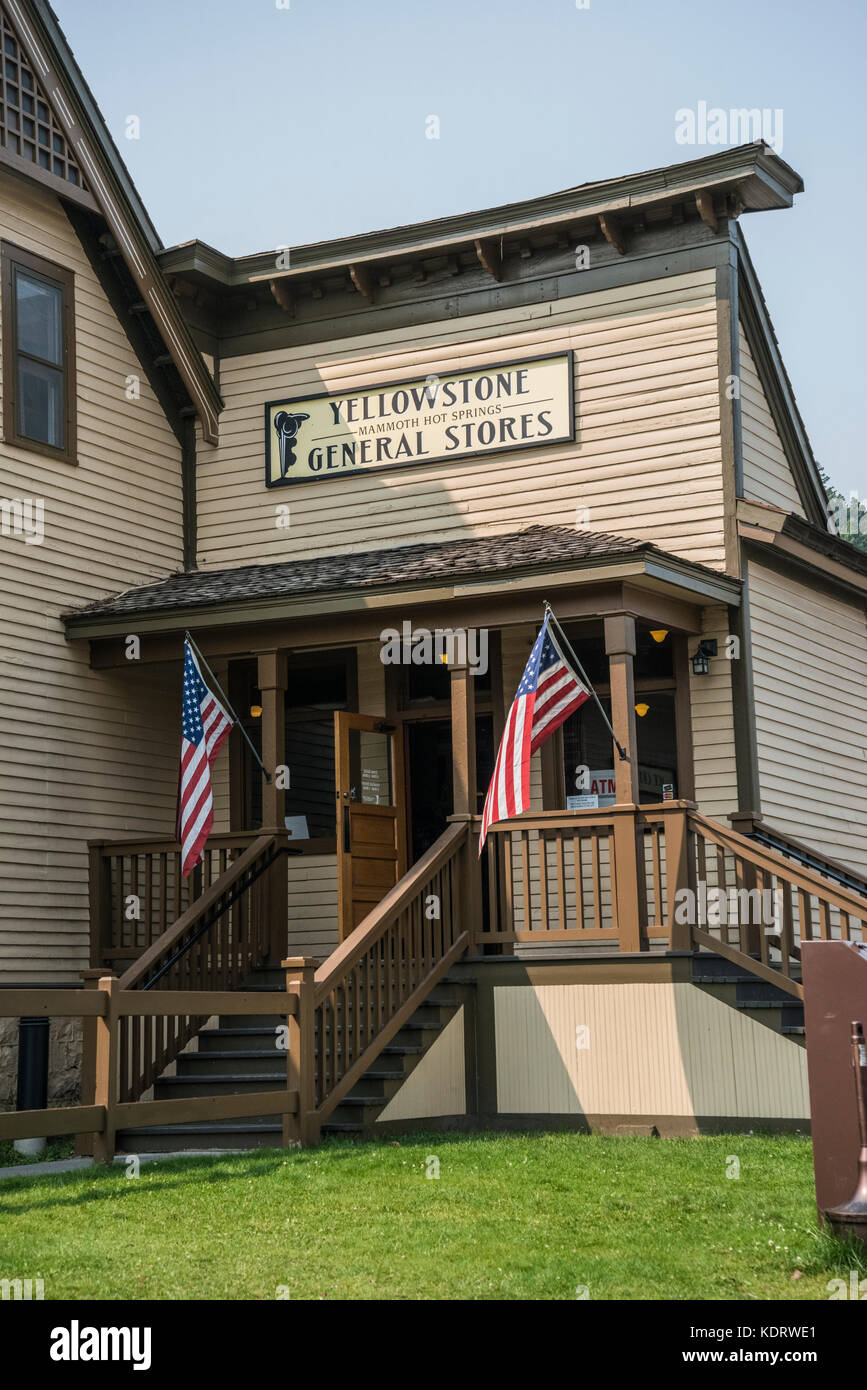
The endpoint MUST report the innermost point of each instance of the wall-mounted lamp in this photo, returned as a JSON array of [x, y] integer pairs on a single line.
[[659, 634], [641, 709], [707, 648], [255, 711]]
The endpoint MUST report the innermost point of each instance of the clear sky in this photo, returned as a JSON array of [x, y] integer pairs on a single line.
[[263, 125]]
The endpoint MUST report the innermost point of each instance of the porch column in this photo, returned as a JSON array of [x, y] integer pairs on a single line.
[[463, 697], [272, 685], [629, 879], [271, 680], [620, 650]]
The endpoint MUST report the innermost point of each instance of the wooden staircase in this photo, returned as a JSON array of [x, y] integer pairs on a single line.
[[242, 1055], [357, 1025]]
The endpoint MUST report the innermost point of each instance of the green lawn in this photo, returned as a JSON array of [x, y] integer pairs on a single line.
[[510, 1217]]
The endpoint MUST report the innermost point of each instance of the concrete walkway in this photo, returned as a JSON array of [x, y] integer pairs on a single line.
[[70, 1165]]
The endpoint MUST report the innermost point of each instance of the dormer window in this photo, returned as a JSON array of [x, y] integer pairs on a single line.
[[38, 355]]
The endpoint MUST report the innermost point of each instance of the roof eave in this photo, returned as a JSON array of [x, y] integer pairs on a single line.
[[691, 582], [761, 178]]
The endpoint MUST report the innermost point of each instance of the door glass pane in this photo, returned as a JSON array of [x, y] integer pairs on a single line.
[[40, 402], [40, 318], [370, 768]]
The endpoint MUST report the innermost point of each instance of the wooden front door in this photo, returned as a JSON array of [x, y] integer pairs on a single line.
[[371, 819]]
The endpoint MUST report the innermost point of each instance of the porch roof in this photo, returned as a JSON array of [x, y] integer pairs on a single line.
[[250, 591]]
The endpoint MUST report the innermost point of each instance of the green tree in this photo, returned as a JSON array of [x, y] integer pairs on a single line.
[[850, 513]]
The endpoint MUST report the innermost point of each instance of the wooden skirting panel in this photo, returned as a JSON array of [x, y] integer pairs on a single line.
[[615, 1055], [641, 1049]]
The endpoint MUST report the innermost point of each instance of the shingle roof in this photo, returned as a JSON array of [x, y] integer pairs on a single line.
[[534, 548]]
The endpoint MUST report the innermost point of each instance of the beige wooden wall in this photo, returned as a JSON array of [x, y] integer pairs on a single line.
[[810, 677], [85, 753], [659, 1053], [646, 460], [767, 475], [656, 1051]]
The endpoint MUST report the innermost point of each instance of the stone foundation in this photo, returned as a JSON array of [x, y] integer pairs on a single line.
[[64, 1062]]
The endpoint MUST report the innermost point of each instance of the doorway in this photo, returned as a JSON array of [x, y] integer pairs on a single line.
[[429, 796]]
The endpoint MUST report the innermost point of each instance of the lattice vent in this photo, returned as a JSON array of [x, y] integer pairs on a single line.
[[27, 125]]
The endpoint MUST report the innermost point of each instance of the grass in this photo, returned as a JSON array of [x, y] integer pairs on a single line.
[[515, 1216]]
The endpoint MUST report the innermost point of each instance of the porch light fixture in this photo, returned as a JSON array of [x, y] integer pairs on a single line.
[[707, 648], [659, 634], [255, 711], [641, 709]]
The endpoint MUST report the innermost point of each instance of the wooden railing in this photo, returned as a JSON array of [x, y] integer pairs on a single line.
[[754, 828], [772, 903], [355, 1003], [214, 945], [579, 876], [630, 877], [137, 890], [109, 1011]]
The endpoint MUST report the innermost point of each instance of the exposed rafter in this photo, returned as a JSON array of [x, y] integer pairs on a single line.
[[704, 203], [362, 279], [283, 295], [490, 255], [612, 232]]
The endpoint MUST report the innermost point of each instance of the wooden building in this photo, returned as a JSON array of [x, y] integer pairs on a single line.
[[312, 458]]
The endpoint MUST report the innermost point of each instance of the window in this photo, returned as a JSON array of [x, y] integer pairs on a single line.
[[588, 755], [38, 355], [318, 683]]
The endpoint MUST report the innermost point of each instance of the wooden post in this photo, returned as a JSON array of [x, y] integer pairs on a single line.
[[99, 895], [105, 1089], [744, 822], [274, 891], [628, 833], [272, 685], [620, 649], [676, 874], [463, 697], [303, 1127], [89, 978], [628, 879]]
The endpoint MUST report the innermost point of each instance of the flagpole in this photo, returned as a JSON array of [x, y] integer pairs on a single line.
[[624, 756], [240, 726]]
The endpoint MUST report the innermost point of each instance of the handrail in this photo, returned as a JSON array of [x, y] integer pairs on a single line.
[[143, 843], [231, 927], [369, 988], [785, 844], [202, 905], [381, 917], [772, 862]]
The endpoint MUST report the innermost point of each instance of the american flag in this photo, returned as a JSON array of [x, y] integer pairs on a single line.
[[204, 727], [549, 692]]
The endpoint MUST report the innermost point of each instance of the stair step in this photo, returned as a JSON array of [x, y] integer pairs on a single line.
[[172, 1138]]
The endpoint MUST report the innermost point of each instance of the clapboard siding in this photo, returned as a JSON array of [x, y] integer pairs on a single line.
[[713, 730], [86, 753], [810, 675], [767, 475], [313, 921], [646, 460]]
